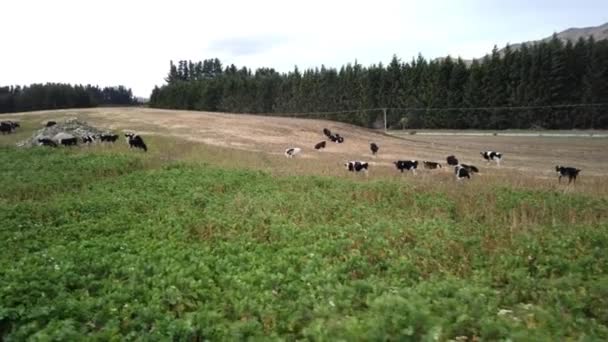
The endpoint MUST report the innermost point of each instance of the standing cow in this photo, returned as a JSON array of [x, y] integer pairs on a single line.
[[492, 155]]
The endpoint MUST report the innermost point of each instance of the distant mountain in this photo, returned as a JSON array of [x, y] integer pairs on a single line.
[[572, 34]]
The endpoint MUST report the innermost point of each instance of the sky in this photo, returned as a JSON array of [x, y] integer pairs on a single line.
[[129, 42]]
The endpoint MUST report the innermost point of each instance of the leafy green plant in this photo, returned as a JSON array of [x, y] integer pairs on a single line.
[[108, 246]]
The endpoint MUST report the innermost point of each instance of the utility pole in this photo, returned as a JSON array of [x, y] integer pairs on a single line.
[[385, 125]]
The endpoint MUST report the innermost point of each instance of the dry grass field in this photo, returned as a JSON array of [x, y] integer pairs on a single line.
[[258, 142]]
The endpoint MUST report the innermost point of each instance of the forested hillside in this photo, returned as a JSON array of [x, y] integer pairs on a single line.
[[548, 76], [59, 96]]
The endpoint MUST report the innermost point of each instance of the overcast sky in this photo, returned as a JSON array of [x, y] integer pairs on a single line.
[[111, 42]]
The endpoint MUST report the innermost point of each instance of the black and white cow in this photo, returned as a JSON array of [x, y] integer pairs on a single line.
[[357, 166], [292, 152], [462, 172], [109, 137], [452, 161], [374, 147], [326, 132], [409, 165], [492, 155], [46, 142], [431, 165], [50, 123], [88, 139], [6, 128], [320, 145], [136, 141], [565, 171]]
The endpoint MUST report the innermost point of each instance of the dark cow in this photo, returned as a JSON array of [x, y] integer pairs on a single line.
[[320, 145], [336, 138], [492, 155], [292, 151], [69, 141], [6, 128], [565, 171], [357, 166], [452, 161], [462, 172], [374, 147], [410, 165], [14, 124], [326, 132], [50, 123], [46, 142], [136, 141], [431, 165], [470, 168], [109, 137]]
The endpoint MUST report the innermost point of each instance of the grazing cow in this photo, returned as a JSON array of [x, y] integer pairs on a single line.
[[469, 168], [136, 141], [88, 139], [320, 145], [462, 172], [109, 137], [410, 165], [336, 138], [492, 155], [69, 141], [65, 139], [6, 128], [431, 165], [357, 166], [46, 142], [565, 171], [326, 132], [375, 148], [452, 161], [292, 151], [50, 123], [13, 124]]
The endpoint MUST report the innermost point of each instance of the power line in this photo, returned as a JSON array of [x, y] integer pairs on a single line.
[[576, 105], [558, 106]]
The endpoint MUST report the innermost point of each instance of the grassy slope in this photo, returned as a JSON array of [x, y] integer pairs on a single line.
[[106, 244]]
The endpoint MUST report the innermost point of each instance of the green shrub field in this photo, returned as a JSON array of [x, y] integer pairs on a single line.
[[107, 246]]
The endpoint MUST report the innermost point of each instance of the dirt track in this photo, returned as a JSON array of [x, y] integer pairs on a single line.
[[536, 155]]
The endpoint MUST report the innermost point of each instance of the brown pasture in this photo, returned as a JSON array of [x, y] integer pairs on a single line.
[[258, 142]]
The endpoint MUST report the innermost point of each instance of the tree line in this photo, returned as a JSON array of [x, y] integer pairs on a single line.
[[60, 96], [544, 76]]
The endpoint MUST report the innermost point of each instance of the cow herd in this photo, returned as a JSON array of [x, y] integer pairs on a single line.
[[64, 139], [461, 171]]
